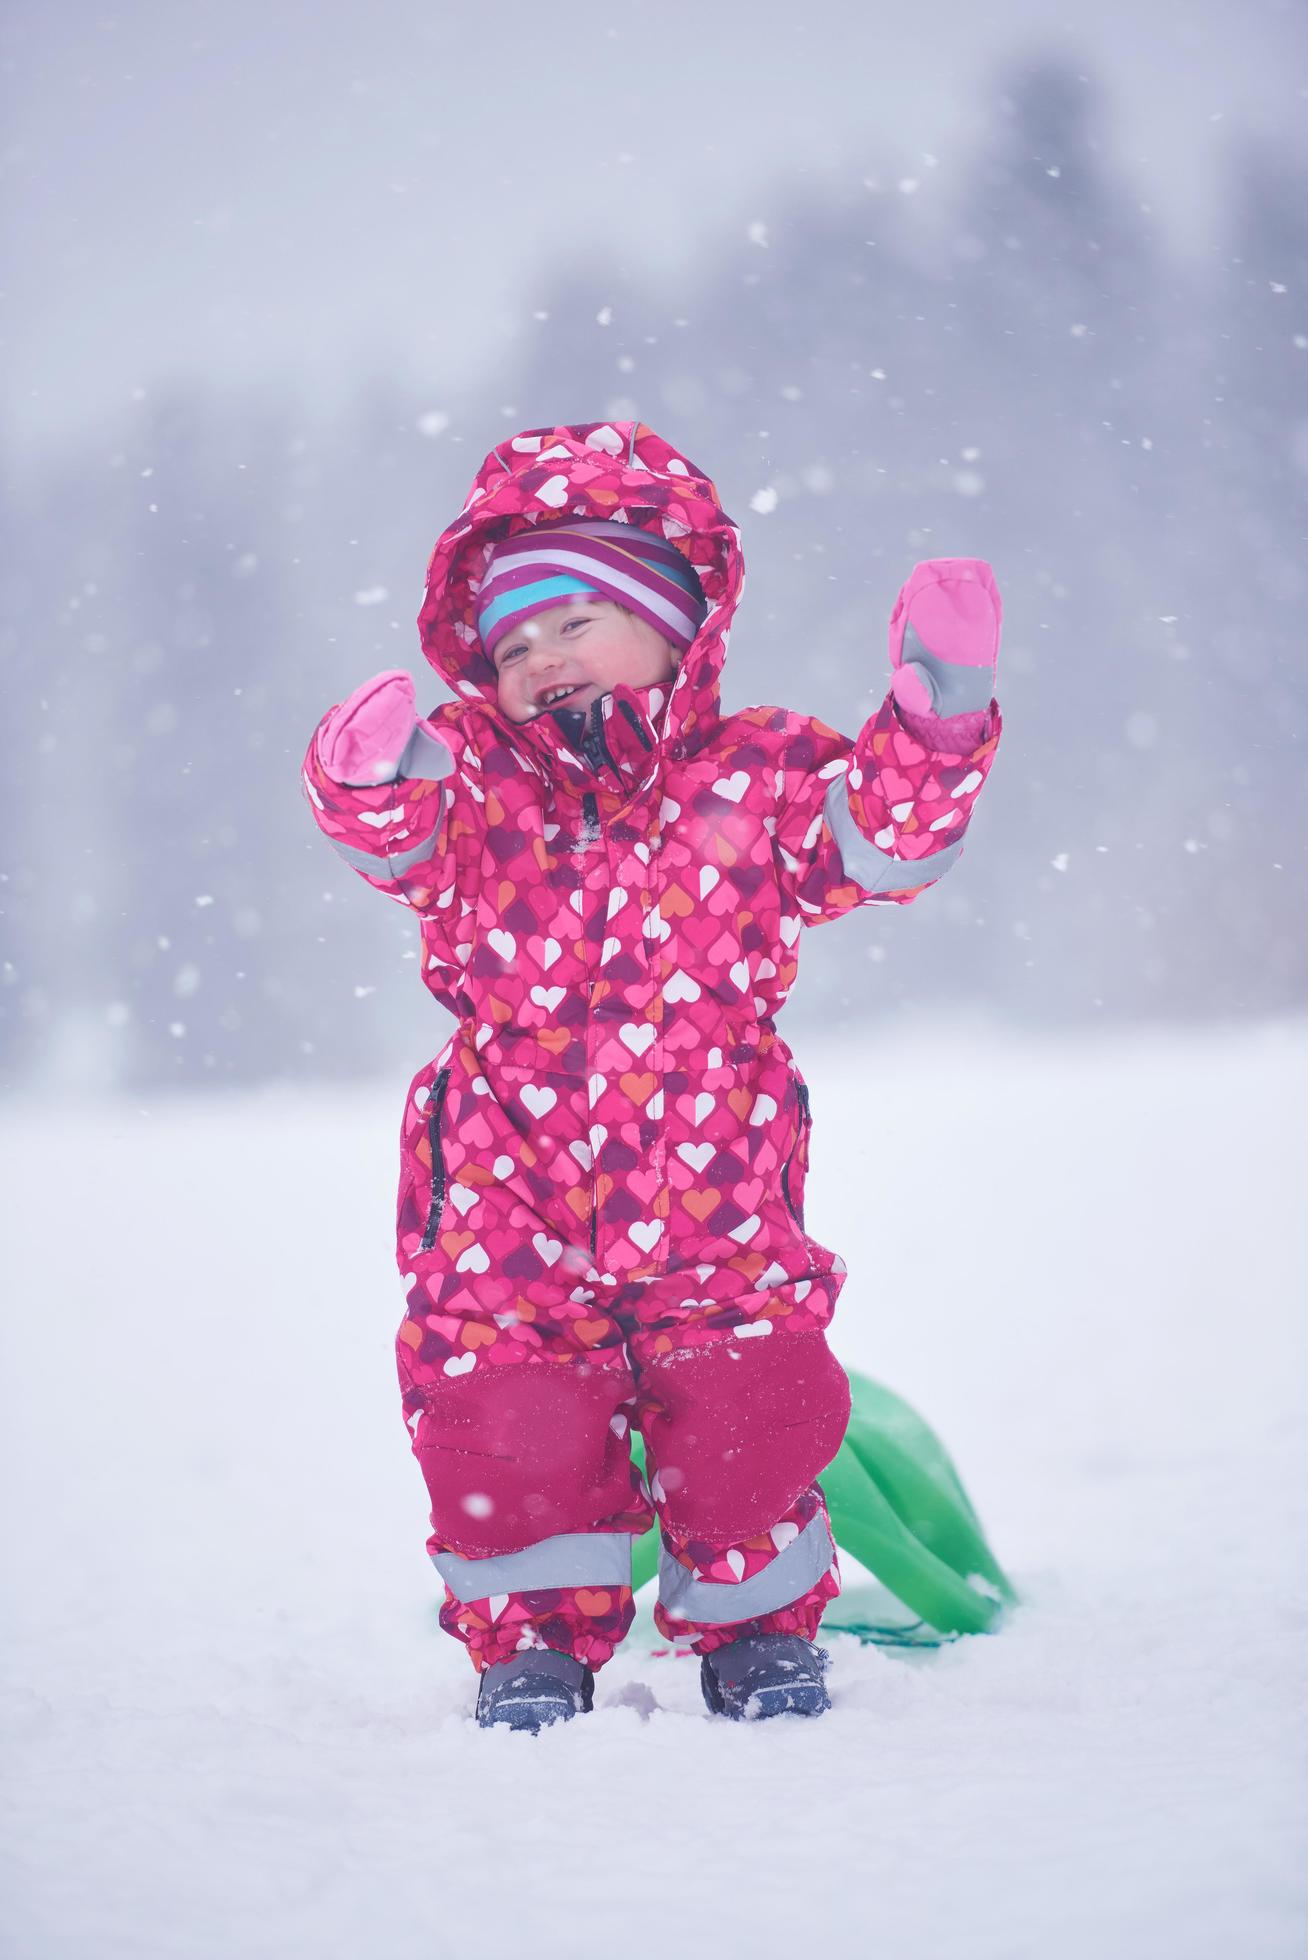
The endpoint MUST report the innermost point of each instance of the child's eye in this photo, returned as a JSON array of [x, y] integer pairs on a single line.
[[568, 624], [512, 654]]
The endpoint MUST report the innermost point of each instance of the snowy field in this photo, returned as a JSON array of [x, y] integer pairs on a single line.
[[233, 1730]]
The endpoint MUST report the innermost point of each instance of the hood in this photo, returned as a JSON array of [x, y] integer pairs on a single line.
[[614, 470]]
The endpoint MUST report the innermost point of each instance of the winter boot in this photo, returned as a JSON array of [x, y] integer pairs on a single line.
[[765, 1674], [533, 1690]]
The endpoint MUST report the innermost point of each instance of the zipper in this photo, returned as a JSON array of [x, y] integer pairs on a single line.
[[595, 744], [801, 1090], [590, 831], [437, 1205]]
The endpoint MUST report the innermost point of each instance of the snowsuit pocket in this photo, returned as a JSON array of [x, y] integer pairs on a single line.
[[436, 1205], [794, 1172]]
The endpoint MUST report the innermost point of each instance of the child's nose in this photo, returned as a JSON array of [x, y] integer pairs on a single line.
[[543, 654]]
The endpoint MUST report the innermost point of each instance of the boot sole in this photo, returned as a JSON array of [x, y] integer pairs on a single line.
[[530, 1715]]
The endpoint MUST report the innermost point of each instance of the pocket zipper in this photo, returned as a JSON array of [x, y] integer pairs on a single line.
[[437, 1205], [801, 1091]]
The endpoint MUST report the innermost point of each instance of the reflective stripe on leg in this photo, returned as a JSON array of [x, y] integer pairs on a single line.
[[573, 1558], [710, 1602]]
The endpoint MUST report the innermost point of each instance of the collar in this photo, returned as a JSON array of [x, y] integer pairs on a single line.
[[616, 743]]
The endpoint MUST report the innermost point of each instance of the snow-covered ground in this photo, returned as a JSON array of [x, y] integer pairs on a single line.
[[234, 1731]]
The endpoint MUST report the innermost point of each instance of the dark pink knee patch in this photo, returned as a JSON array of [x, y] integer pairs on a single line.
[[512, 1455], [737, 1429]]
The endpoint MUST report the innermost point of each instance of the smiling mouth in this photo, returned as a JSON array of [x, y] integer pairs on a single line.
[[557, 699]]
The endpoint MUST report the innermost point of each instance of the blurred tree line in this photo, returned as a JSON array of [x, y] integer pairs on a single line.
[[1035, 381]]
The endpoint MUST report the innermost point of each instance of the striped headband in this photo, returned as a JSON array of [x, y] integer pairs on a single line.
[[538, 569]]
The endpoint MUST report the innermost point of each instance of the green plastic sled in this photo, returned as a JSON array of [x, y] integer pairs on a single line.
[[897, 1505]]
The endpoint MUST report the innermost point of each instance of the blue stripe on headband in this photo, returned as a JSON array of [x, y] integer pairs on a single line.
[[559, 587]]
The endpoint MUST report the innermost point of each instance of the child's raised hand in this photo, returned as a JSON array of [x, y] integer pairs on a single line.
[[361, 741], [944, 638]]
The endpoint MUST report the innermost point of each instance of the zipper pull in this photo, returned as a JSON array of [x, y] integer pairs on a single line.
[[590, 825], [598, 753]]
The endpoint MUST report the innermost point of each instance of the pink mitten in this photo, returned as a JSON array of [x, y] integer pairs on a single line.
[[944, 641], [362, 741]]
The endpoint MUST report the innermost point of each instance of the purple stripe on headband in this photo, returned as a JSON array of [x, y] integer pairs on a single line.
[[627, 539], [519, 569], [531, 570], [662, 599], [656, 572], [601, 528]]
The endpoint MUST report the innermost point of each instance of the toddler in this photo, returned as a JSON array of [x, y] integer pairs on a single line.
[[601, 1204]]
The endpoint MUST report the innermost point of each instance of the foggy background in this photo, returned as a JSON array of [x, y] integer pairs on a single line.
[[1024, 282], [1029, 287]]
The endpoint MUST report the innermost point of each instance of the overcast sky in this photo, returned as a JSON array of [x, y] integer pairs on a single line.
[[316, 190]]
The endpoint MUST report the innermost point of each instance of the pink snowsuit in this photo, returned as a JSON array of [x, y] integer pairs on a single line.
[[601, 1205]]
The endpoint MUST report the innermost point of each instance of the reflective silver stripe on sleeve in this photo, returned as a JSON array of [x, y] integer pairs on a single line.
[[787, 1578], [874, 869], [425, 759], [384, 865], [574, 1558]]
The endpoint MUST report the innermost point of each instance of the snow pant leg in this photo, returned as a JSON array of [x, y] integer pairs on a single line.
[[698, 1583], [534, 1499], [737, 1430], [585, 1621]]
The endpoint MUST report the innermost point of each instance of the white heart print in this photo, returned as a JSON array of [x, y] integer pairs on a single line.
[[733, 787], [554, 492]]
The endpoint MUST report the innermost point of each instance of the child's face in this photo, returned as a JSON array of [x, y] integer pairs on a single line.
[[587, 646]]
